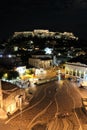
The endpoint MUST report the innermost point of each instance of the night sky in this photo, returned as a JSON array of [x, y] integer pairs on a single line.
[[55, 15]]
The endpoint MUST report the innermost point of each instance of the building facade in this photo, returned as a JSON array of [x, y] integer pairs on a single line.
[[76, 69], [40, 62], [11, 98]]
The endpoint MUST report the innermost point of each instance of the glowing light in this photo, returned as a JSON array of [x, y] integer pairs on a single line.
[[15, 48], [21, 70], [1, 55], [5, 75], [11, 108], [48, 50], [9, 56]]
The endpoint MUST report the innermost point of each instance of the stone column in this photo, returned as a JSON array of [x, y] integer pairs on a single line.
[[84, 75], [80, 74], [75, 72]]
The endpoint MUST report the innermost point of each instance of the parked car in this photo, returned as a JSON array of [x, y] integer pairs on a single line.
[[62, 115]]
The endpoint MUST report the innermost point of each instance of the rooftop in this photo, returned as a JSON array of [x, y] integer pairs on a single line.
[[8, 88]]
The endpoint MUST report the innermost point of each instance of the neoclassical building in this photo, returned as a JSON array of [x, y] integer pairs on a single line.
[[40, 61], [76, 69]]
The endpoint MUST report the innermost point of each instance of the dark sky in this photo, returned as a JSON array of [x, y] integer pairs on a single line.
[[55, 15]]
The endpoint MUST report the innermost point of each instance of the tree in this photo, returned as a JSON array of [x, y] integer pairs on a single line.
[[12, 75], [1, 74]]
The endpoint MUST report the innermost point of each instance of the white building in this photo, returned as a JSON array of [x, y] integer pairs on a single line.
[[76, 69]]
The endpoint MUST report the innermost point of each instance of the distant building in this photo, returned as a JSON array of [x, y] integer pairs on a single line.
[[45, 33], [80, 53], [41, 31], [24, 33], [69, 35], [10, 60], [40, 61]]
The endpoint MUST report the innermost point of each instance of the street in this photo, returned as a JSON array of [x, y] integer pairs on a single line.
[[55, 105]]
